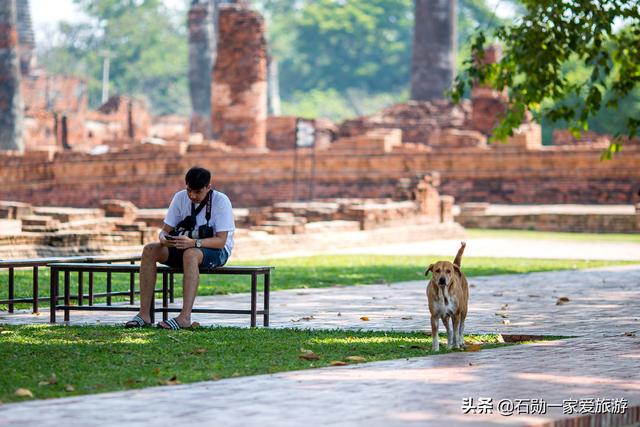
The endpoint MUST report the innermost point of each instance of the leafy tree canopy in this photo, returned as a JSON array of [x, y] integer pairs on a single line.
[[147, 46], [362, 45], [567, 61]]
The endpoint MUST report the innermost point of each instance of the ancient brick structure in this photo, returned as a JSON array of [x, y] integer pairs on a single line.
[[55, 111], [434, 47], [488, 105], [200, 25], [10, 99], [239, 105], [417, 120], [149, 175]]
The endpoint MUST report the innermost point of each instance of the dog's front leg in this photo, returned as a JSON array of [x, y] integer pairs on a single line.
[[457, 339], [435, 343], [450, 333]]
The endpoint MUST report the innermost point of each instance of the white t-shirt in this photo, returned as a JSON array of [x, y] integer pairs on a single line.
[[221, 214]]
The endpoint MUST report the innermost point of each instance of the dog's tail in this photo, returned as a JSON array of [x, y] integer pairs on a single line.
[[458, 260]]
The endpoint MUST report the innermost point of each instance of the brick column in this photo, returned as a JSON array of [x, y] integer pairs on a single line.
[[488, 105], [11, 109], [239, 105]]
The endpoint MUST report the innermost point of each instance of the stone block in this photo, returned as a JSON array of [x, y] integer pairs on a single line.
[[119, 209]]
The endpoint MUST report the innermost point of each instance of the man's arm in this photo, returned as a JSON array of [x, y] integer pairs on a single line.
[[216, 242], [164, 231]]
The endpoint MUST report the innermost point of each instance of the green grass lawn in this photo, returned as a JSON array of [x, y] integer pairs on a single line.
[[322, 271], [547, 235], [55, 361]]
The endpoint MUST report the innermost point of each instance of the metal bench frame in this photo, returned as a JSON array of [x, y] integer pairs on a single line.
[[36, 263], [80, 268]]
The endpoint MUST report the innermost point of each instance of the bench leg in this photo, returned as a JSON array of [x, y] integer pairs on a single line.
[[109, 288], [11, 289], [91, 288], [67, 294], [165, 296], [171, 288], [53, 294], [254, 296], [132, 287], [267, 280], [35, 289], [80, 288]]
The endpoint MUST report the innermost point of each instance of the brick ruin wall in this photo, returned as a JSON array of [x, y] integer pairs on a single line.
[[149, 175]]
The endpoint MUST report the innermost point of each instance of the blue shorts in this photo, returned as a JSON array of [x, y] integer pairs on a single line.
[[212, 257]]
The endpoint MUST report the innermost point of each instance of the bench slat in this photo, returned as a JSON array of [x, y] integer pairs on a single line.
[[128, 268]]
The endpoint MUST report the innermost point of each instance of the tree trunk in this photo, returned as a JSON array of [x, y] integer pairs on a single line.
[[434, 49], [26, 38], [11, 108], [200, 63]]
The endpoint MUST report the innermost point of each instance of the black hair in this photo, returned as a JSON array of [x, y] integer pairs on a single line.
[[197, 178]]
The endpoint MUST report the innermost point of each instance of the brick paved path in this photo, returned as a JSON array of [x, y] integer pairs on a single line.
[[602, 363]]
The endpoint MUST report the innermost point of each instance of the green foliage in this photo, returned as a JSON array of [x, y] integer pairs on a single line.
[[539, 51], [58, 361], [359, 49], [147, 46]]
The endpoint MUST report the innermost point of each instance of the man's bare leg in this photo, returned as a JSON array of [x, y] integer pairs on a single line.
[[191, 260], [152, 253]]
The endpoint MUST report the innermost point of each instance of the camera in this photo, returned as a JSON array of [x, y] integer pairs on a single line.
[[202, 232]]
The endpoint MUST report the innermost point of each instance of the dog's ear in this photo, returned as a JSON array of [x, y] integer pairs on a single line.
[[457, 269], [430, 269]]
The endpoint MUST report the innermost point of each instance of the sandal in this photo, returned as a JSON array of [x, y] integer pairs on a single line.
[[172, 325], [137, 322]]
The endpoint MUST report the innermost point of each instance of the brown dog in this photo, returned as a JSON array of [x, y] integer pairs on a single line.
[[448, 296]]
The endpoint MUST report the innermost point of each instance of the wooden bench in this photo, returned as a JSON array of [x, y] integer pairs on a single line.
[[35, 264], [80, 268]]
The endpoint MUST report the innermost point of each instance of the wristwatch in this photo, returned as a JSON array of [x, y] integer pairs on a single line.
[[198, 243]]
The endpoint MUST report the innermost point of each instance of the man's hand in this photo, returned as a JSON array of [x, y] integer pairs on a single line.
[[183, 242]]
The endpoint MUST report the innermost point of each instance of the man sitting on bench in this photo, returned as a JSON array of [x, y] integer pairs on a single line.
[[197, 233]]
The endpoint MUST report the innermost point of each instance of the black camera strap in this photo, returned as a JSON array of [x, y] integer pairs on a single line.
[[206, 201]]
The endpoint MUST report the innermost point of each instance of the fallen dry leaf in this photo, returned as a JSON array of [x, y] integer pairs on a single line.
[[338, 363], [473, 347], [171, 381], [215, 377], [364, 318], [130, 382], [308, 355], [355, 359], [199, 351], [23, 392], [51, 381], [195, 325], [69, 388], [562, 300]]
